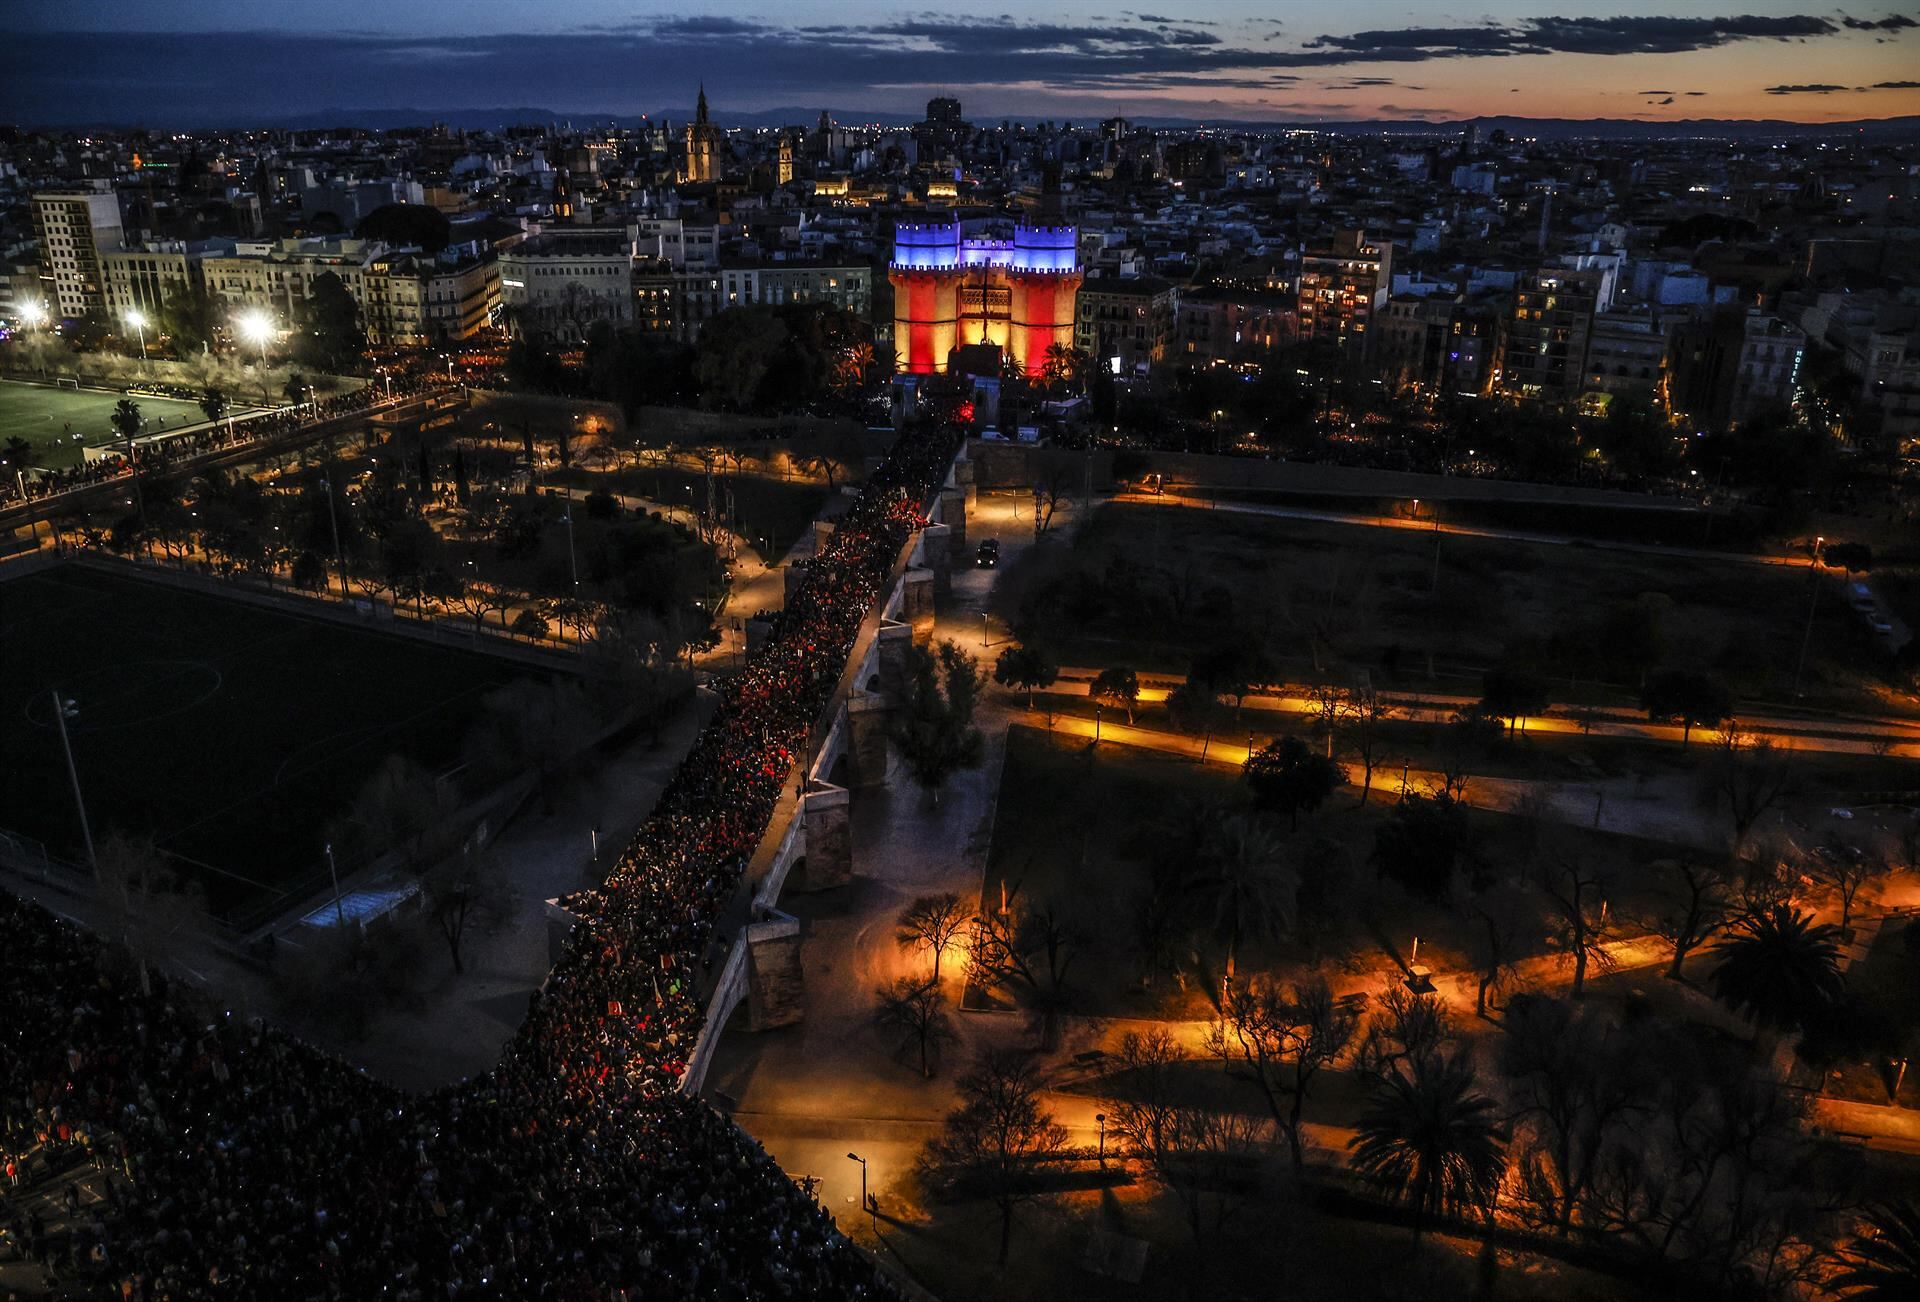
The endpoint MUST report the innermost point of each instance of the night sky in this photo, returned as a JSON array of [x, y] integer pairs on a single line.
[[191, 62]]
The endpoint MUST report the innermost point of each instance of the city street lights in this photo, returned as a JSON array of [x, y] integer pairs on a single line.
[[138, 320], [65, 708]]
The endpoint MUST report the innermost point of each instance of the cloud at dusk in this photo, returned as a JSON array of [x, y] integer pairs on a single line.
[[597, 57]]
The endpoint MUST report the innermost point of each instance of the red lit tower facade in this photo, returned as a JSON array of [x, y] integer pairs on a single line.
[[949, 291]]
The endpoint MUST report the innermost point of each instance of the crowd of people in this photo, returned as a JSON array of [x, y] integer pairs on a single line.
[[239, 1162], [160, 455]]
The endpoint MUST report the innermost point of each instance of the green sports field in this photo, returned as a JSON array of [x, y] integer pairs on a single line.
[[231, 733], [50, 418]]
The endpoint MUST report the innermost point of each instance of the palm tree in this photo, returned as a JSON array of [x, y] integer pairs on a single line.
[[1780, 968], [1429, 1138], [1243, 875], [852, 365], [1882, 1262]]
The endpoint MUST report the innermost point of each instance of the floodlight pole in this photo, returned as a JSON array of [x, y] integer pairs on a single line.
[[61, 705], [333, 518], [339, 910]]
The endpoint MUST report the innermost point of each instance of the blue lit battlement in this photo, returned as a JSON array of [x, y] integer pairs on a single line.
[[934, 246], [1045, 248], [938, 246]]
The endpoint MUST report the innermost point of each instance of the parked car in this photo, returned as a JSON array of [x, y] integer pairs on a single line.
[[987, 556]]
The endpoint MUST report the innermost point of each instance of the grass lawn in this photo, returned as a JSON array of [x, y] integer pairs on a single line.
[[58, 421], [1149, 586], [1070, 827], [228, 732]]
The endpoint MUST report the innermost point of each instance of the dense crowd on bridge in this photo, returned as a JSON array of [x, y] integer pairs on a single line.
[[160, 455], [243, 1163]]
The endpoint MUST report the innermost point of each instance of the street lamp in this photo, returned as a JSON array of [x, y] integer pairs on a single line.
[[1813, 603], [138, 320], [333, 518], [257, 327], [65, 708], [1101, 1117], [573, 561], [33, 315], [865, 1201]]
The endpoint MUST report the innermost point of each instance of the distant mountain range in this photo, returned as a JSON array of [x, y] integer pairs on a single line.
[[1899, 128]]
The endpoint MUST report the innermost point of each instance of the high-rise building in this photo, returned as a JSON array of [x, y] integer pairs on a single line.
[[1543, 346], [950, 292], [74, 227], [703, 146], [944, 131], [1124, 322], [1729, 367], [1341, 287]]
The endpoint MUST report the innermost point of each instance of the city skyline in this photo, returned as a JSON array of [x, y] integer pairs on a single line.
[[226, 62]]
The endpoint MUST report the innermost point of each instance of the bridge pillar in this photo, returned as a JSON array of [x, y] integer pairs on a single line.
[[867, 718], [895, 640], [791, 577], [776, 985], [827, 811], [936, 545], [953, 514], [966, 480], [916, 603]]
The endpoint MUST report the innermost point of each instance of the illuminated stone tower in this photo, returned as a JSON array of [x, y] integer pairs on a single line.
[[949, 291], [703, 146]]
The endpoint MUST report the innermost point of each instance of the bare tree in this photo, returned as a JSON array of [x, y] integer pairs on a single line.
[[478, 600], [150, 909], [1748, 777], [1326, 709], [1363, 720], [1573, 1080], [403, 808], [1582, 917], [1052, 485], [1197, 1145], [1497, 915], [1000, 1132], [464, 892], [934, 923], [1696, 903], [912, 1010], [1030, 951], [1287, 1038], [1407, 1034], [1844, 869]]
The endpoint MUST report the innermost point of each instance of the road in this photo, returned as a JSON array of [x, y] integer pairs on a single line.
[[1839, 735], [1429, 524]]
